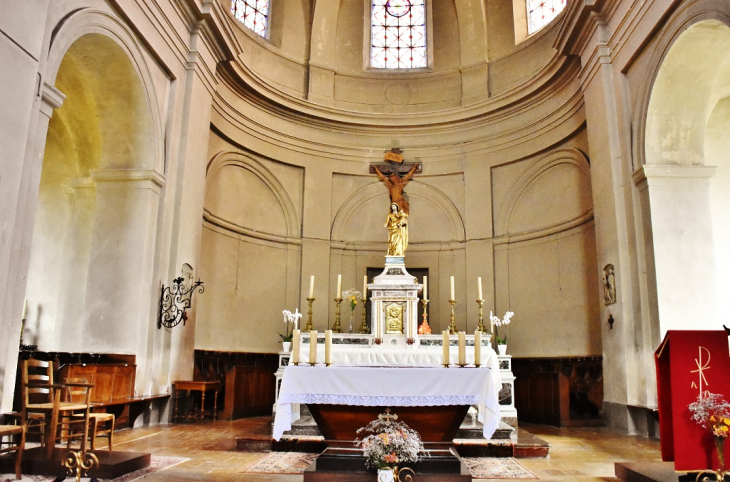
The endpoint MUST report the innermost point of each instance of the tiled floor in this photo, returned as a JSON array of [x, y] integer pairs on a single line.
[[575, 454]]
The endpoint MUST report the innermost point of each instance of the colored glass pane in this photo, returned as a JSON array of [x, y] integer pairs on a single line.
[[253, 14], [398, 34], [542, 12]]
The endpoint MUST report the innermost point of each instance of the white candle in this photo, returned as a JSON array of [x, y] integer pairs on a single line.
[[491, 326], [479, 282], [462, 348], [313, 347], [452, 288], [339, 285], [25, 309], [296, 319], [477, 348], [295, 347], [365, 287], [311, 286], [328, 347], [445, 347], [425, 287]]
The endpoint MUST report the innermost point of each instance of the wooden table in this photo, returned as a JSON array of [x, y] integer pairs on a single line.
[[201, 387]]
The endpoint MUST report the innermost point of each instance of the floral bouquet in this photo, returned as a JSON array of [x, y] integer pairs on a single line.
[[390, 444], [497, 322], [352, 296], [290, 322], [712, 412]]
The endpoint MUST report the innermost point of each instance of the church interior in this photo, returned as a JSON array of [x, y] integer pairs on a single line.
[[566, 161]]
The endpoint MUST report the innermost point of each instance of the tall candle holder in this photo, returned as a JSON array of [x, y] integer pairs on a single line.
[[424, 329], [452, 326], [337, 328], [364, 327], [309, 326], [480, 327]]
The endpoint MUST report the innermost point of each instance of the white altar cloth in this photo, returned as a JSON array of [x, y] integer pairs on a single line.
[[387, 386]]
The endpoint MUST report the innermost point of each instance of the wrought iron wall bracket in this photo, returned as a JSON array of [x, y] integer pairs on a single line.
[[174, 300]]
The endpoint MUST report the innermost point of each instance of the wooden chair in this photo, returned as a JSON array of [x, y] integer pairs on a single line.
[[42, 397], [99, 423], [13, 432]]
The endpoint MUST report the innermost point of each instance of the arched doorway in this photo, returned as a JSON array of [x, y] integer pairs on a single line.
[[687, 170], [89, 278]]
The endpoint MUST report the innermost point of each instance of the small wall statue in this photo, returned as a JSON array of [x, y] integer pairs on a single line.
[[609, 285]]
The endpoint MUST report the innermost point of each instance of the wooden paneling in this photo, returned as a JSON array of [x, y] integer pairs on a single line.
[[112, 383]]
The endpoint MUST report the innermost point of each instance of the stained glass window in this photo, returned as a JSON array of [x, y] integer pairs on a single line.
[[398, 34], [253, 14], [542, 12]]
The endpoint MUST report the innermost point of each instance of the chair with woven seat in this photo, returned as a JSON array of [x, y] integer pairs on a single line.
[[99, 423], [41, 396], [15, 443]]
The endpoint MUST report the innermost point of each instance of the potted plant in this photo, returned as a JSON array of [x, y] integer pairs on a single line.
[[291, 321], [389, 445], [712, 413], [496, 322]]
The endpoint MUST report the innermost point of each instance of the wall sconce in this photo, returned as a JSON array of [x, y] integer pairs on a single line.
[[177, 298]]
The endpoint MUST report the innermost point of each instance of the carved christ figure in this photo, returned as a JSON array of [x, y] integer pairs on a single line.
[[395, 185]]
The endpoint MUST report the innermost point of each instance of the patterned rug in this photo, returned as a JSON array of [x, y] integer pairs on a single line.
[[282, 463], [497, 468], [157, 463]]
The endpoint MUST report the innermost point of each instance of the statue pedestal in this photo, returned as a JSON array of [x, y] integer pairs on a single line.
[[394, 303]]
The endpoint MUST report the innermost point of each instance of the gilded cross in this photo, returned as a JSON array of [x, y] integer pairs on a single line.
[[388, 417]]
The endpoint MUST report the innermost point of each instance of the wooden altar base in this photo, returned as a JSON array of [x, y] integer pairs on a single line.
[[337, 464], [652, 472], [112, 464]]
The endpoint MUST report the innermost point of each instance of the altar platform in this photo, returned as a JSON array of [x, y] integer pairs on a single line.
[[112, 464]]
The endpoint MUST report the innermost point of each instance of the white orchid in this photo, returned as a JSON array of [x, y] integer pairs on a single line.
[[293, 318]]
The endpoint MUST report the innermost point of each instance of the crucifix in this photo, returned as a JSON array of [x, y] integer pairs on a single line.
[[388, 417], [391, 174]]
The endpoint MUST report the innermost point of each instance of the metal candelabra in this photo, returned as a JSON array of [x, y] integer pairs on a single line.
[[480, 327], [309, 327], [364, 327], [452, 326], [337, 328]]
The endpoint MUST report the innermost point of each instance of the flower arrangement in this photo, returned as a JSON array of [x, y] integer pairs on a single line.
[[497, 322], [352, 296], [291, 321], [390, 443], [712, 412]]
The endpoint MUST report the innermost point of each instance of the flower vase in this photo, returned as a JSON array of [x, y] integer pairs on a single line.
[[502, 349], [386, 475], [719, 445], [287, 346]]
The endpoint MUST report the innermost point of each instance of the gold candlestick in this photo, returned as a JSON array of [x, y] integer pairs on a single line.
[[364, 327], [424, 329], [337, 328], [309, 326], [452, 326], [480, 327]]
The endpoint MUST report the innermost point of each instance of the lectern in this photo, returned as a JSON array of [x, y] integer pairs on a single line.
[[687, 362]]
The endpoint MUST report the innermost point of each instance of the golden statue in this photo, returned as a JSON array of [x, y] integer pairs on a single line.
[[397, 224]]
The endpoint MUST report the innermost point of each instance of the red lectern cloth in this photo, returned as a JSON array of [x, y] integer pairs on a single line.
[[686, 362]]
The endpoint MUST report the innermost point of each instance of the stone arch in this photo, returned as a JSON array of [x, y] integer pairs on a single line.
[[232, 158], [418, 192], [537, 180], [684, 173], [90, 26]]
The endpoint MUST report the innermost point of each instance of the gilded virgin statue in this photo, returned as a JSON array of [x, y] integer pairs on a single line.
[[397, 224]]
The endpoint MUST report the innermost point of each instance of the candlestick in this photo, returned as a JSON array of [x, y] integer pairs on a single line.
[[309, 326], [337, 328], [424, 329], [313, 347], [462, 348], [339, 284], [425, 287], [295, 342], [477, 348], [452, 325], [364, 328], [25, 309], [445, 348], [311, 286], [479, 282], [480, 326], [328, 347], [453, 296]]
